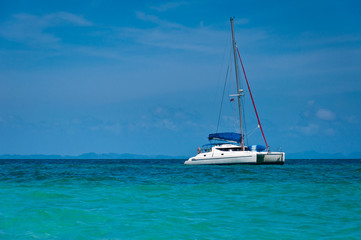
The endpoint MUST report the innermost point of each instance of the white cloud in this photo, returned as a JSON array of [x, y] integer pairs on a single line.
[[325, 114], [307, 130], [197, 38], [27, 28], [314, 39], [102, 52], [330, 132], [157, 20], [67, 17], [94, 124], [172, 35], [311, 102], [351, 119], [167, 6], [166, 124], [164, 118], [31, 28]]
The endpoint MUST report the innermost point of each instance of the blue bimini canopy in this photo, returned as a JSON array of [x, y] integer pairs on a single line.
[[258, 148], [227, 136]]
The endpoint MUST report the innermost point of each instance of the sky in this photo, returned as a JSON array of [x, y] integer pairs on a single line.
[[146, 77]]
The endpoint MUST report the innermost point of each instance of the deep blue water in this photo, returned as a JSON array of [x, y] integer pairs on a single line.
[[164, 199]]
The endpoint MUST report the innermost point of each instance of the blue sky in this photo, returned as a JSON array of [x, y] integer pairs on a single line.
[[146, 76]]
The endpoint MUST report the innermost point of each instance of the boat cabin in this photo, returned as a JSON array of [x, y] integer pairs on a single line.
[[222, 147], [229, 147]]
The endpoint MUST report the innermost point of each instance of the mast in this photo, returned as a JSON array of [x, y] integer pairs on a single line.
[[239, 91]]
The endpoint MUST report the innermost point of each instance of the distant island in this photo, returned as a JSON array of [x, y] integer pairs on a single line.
[[299, 155]]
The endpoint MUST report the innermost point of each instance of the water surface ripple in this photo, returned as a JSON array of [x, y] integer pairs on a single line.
[[163, 199]]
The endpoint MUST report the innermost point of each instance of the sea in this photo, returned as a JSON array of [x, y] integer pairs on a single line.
[[164, 199]]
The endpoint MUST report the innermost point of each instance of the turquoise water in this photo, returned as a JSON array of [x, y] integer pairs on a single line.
[[163, 199]]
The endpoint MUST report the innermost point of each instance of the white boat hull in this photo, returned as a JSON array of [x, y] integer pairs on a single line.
[[244, 157]]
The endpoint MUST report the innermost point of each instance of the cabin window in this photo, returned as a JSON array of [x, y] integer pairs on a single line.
[[236, 149], [223, 149], [205, 150], [229, 149]]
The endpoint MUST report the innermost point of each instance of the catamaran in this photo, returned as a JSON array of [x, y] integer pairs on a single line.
[[229, 147]]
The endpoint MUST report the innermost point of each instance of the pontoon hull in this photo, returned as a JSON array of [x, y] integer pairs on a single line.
[[241, 158]]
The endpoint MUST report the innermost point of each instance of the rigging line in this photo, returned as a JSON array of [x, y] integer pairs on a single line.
[[224, 89], [221, 70], [254, 106], [244, 117], [253, 131]]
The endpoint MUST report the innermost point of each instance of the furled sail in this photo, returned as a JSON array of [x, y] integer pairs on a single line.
[[227, 136]]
